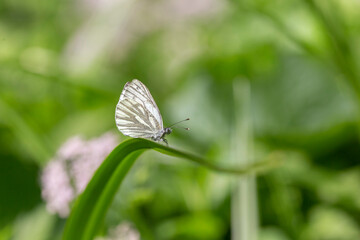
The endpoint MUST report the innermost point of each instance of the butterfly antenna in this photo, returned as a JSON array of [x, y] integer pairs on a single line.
[[182, 128], [180, 122]]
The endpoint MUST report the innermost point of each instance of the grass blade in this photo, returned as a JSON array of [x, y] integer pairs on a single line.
[[90, 209]]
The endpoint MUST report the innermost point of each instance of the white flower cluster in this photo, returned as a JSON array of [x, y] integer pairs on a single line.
[[68, 173], [123, 231]]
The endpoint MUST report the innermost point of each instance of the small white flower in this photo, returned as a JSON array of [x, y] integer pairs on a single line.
[[123, 231]]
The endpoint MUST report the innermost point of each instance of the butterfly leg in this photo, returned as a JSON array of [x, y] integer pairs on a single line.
[[165, 141]]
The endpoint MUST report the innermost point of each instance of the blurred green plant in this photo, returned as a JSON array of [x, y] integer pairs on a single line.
[[302, 62]]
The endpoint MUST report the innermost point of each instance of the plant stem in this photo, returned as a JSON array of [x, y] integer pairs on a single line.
[[244, 212], [257, 167]]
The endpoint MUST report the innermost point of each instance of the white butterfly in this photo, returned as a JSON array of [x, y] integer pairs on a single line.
[[137, 114]]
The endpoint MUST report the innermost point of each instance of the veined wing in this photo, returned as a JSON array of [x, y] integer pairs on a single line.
[[137, 114], [137, 91]]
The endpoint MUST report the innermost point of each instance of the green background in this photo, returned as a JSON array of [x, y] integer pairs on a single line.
[[63, 65]]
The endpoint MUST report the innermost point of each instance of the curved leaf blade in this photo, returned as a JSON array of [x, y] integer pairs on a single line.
[[90, 209]]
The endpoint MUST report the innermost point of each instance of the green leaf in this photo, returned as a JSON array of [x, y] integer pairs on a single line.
[[90, 209]]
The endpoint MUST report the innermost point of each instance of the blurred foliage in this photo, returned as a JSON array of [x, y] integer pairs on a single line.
[[63, 65]]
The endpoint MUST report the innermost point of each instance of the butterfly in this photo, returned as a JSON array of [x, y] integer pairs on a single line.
[[137, 114]]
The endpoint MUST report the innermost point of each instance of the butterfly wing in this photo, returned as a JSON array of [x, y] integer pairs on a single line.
[[137, 114]]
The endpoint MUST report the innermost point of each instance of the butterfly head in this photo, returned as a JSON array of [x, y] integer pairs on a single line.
[[167, 131], [164, 132]]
